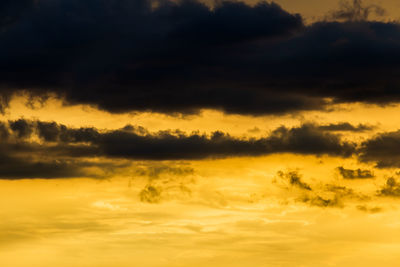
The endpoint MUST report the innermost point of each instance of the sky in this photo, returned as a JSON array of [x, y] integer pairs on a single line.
[[193, 133]]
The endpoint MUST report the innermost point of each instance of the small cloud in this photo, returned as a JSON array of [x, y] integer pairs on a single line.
[[346, 127], [355, 174], [156, 171], [339, 189], [150, 194], [319, 201], [294, 179], [368, 209], [355, 11], [390, 189]]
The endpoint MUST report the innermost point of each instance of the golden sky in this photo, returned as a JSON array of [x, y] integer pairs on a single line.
[[220, 154], [221, 212]]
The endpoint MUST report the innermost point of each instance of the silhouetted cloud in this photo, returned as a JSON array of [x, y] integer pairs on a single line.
[[345, 126], [155, 171], [319, 195], [150, 194], [383, 149], [17, 167], [137, 143], [355, 174], [355, 10], [390, 189], [316, 200], [46, 145], [294, 179], [331, 195], [21, 127], [182, 57]]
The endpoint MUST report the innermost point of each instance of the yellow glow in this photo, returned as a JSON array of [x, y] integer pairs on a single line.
[[227, 212]]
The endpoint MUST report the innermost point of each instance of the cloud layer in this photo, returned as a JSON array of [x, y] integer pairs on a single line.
[[56, 150], [36, 146]]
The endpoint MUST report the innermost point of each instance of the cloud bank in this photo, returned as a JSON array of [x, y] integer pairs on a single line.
[[184, 56]]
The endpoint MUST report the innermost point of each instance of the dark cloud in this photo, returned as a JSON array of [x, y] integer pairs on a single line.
[[4, 132], [308, 139], [345, 126], [150, 194], [22, 128], [127, 55], [135, 143], [294, 179], [12, 10], [382, 149], [331, 195], [156, 171], [23, 158], [37, 149], [390, 189], [181, 57], [328, 195], [342, 190], [26, 162], [316, 200], [25, 168], [355, 174], [355, 10]]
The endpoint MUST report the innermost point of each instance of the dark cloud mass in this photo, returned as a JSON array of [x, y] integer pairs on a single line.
[[12, 10], [134, 143], [382, 149], [41, 146], [124, 55], [17, 168]]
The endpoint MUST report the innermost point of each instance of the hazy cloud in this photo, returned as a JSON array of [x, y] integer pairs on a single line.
[[294, 179], [365, 208], [316, 200], [355, 10], [390, 189], [150, 194], [156, 171]]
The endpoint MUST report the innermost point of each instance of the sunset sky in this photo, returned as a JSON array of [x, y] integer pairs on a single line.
[[199, 133]]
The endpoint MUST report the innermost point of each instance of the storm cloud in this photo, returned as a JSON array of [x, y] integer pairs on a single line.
[[164, 56]]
